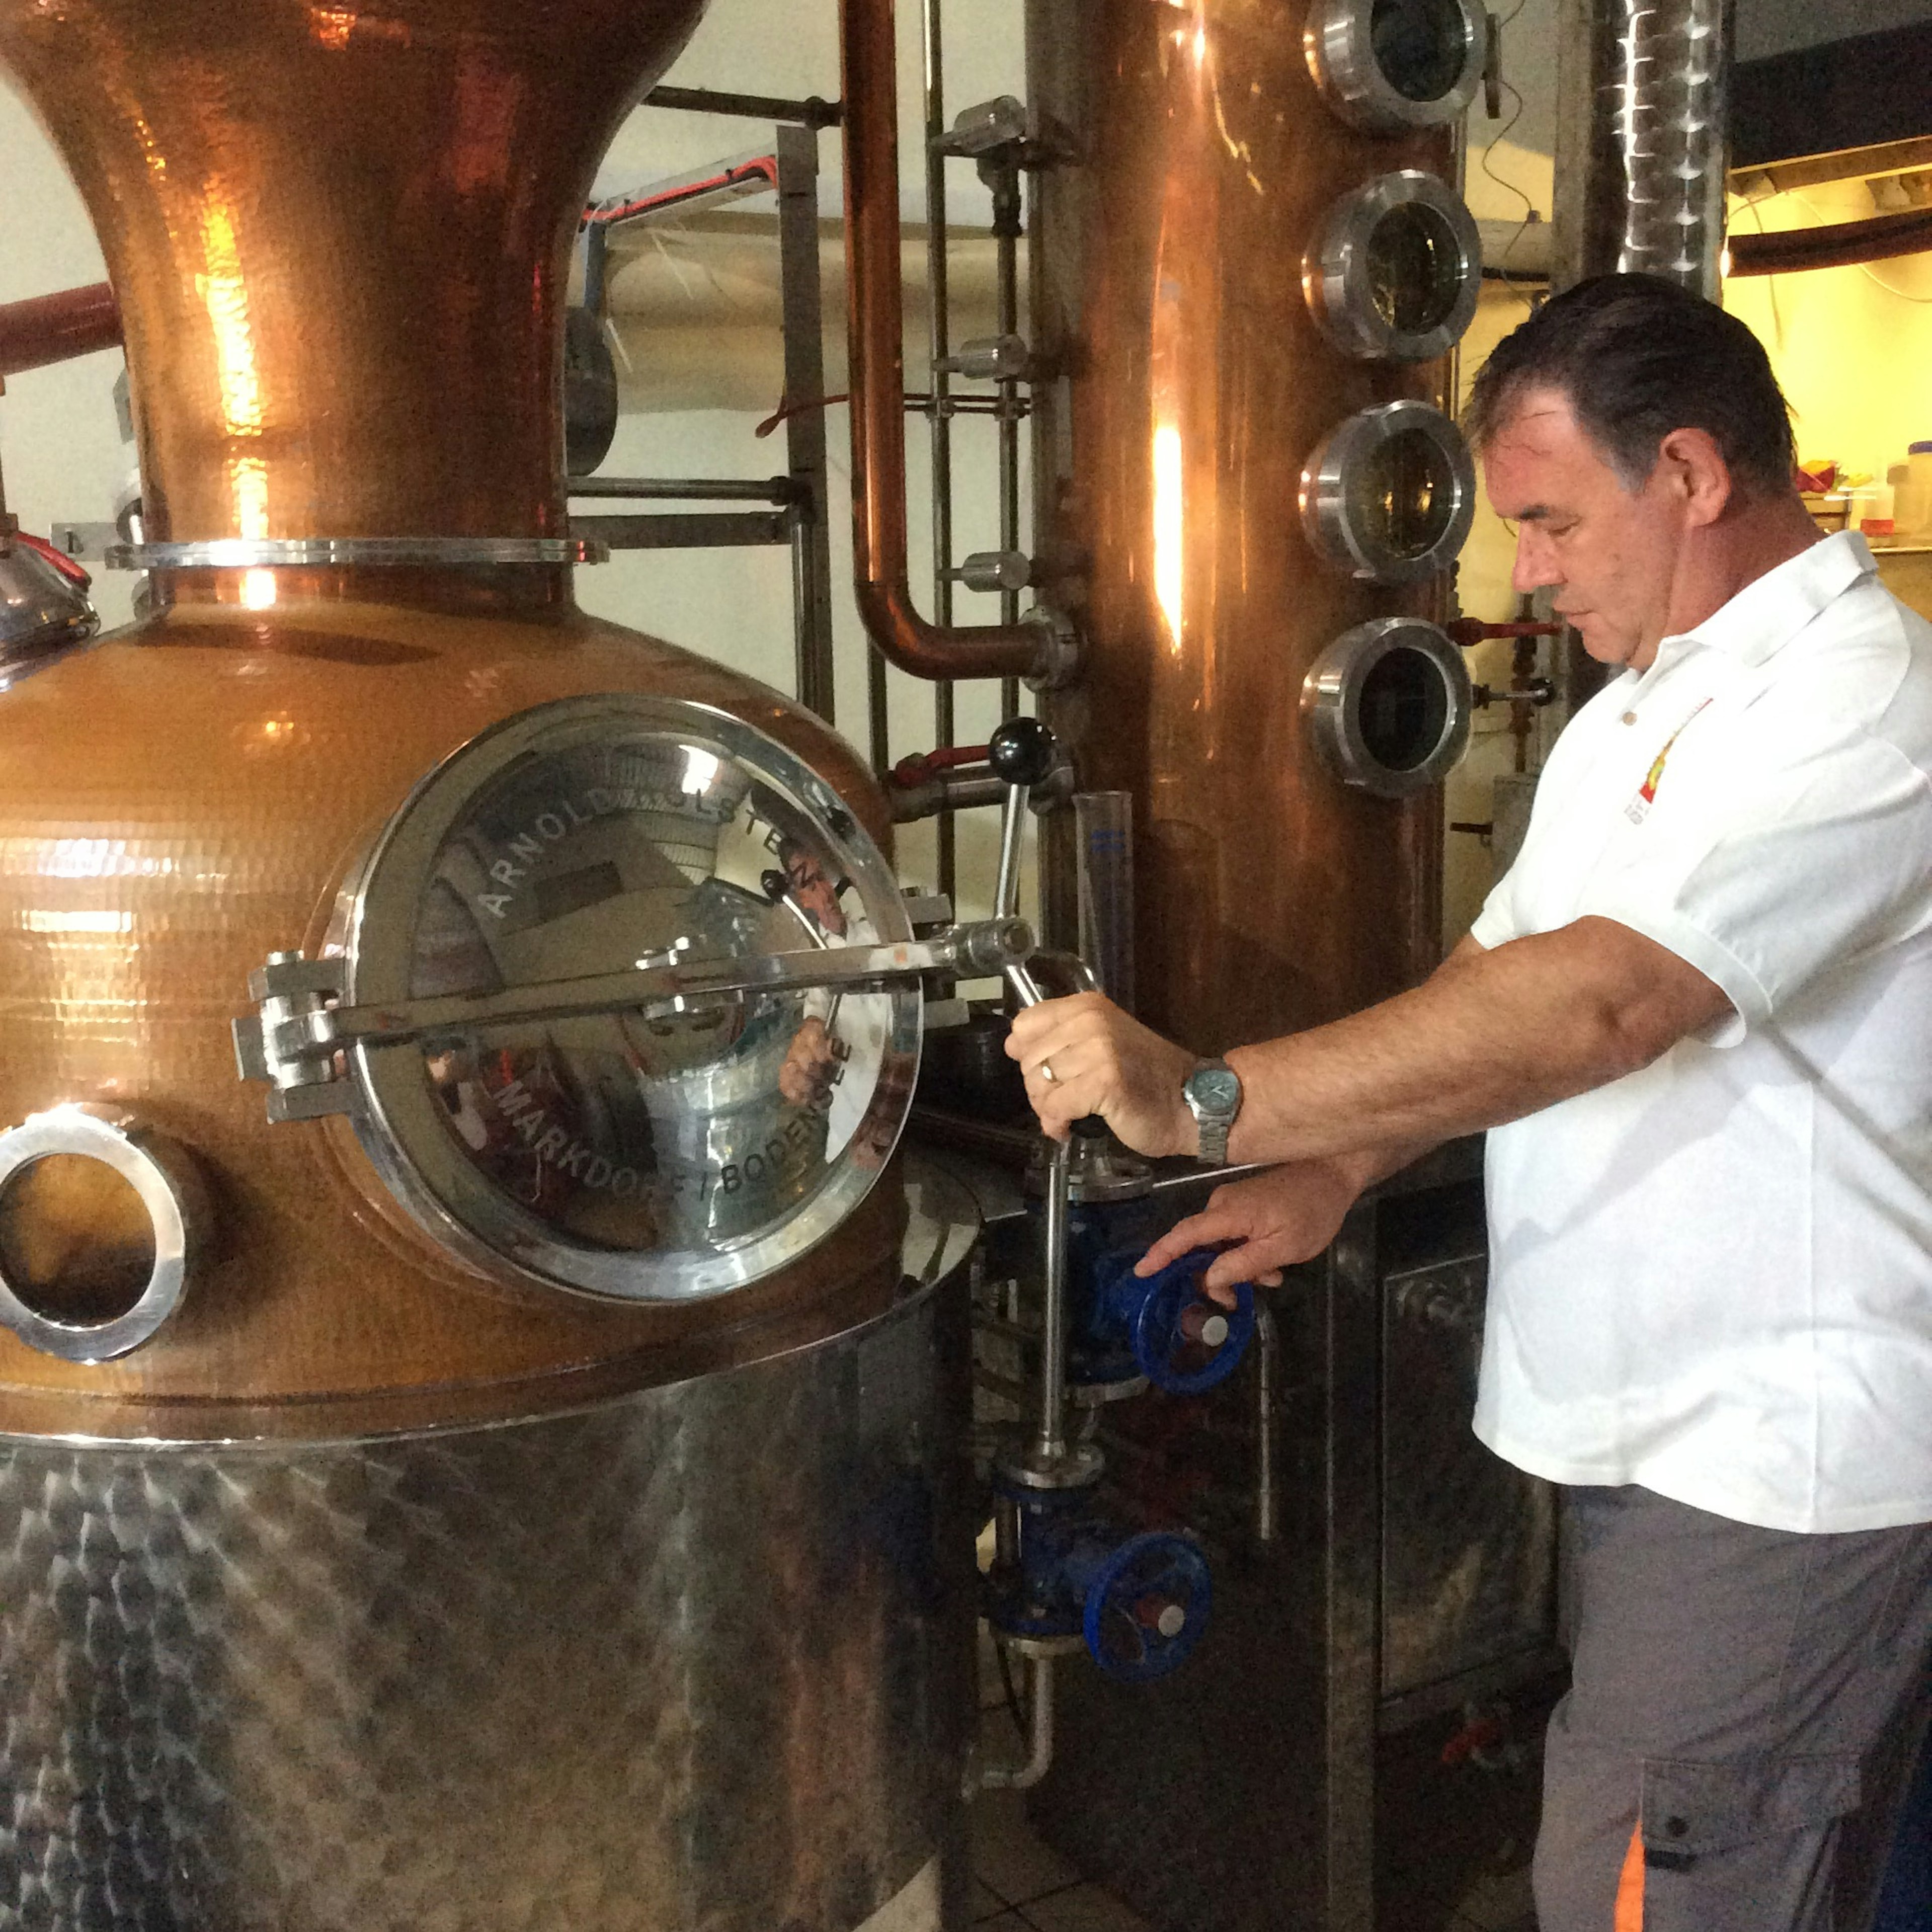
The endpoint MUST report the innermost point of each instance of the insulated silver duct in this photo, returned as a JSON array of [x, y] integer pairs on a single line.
[[1643, 91]]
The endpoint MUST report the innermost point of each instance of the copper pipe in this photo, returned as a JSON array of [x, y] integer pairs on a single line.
[[1839, 245], [1030, 648], [55, 329]]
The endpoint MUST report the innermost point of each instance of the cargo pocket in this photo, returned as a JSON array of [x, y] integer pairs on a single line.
[[1690, 1811]]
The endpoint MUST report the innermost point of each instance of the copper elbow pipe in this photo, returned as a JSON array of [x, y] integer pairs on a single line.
[[54, 328], [1039, 647]]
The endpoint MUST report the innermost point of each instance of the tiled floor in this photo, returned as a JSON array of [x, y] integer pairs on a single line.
[[1020, 1884]]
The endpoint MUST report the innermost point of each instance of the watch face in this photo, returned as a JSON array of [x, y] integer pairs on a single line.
[[648, 1153], [1215, 1090]]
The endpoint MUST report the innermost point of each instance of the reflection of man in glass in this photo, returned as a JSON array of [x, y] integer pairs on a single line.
[[808, 889], [806, 1077]]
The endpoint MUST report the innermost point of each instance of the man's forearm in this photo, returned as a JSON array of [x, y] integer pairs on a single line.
[[1490, 1037]]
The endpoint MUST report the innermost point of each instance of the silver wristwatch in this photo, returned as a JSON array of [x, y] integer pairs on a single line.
[[1212, 1092]]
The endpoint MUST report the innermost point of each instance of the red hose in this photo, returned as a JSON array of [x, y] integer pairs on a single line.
[[53, 328]]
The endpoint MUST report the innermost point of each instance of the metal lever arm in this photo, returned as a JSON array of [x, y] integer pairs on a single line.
[[306, 1029]]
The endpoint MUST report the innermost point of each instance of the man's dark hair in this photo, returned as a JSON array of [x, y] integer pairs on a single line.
[[1638, 357]]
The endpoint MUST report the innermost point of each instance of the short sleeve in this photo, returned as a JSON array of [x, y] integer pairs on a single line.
[[1496, 923], [1807, 846]]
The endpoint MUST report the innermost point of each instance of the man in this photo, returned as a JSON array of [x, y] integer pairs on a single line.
[[1697, 1015]]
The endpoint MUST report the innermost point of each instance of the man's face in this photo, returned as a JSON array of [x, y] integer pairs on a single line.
[[811, 890], [1608, 553]]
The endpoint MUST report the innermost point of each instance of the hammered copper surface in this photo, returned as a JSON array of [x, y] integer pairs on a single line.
[[1189, 387], [338, 234]]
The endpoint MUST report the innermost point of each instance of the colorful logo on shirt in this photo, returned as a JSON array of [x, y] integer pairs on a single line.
[[1646, 796]]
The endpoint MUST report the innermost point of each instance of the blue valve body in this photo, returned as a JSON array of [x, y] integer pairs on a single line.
[[1139, 1602], [1125, 1326]]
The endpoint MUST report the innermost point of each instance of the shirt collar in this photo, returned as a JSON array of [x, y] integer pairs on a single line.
[[1770, 610]]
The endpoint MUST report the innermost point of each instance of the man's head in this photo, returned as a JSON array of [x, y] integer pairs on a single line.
[[1636, 435], [809, 888]]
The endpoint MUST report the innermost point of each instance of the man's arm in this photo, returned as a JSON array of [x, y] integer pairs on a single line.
[[1491, 1035]]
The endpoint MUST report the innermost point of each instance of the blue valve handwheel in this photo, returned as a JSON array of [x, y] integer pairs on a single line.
[[1162, 1350], [1147, 1606]]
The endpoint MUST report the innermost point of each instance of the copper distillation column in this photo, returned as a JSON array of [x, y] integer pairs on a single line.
[[1245, 257]]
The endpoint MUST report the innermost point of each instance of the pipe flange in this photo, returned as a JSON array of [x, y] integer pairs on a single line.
[[1388, 706], [162, 1173], [1387, 66], [1060, 649], [1390, 495], [1395, 274], [312, 552]]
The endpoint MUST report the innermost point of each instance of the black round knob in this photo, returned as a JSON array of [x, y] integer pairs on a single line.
[[1021, 752]]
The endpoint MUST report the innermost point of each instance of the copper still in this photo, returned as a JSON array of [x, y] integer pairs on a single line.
[[339, 237], [1244, 242], [364, 1572]]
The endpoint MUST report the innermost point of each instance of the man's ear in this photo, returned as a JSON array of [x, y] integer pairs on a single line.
[[1694, 466]]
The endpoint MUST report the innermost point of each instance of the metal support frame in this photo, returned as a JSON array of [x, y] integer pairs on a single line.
[[1002, 175], [801, 522], [939, 414], [805, 429]]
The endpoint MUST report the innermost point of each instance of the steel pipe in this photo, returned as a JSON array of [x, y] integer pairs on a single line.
[[1040, 1759], [55, 329], [1036, 647]]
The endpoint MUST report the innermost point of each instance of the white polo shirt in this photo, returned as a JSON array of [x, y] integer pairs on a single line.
[[1714, 1277]]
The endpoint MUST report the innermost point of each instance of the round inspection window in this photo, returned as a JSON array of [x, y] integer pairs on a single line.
[[1390, 496], [1388, 704], [1388, 65], [76, 1243], [1396, 271], [648, 1150], [99, 1219]]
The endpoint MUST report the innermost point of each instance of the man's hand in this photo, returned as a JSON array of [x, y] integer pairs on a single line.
[[809, 1065], [1084, 1056], [1288, 1215]]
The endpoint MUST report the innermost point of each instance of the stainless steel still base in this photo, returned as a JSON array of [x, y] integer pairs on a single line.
[[699, 1658]]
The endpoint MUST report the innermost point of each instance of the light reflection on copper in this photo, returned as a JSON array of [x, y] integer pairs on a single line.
[[258, 590], [331, 25], [1168, 573]]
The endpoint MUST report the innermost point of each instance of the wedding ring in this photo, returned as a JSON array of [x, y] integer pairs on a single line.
[[1047, 1073]]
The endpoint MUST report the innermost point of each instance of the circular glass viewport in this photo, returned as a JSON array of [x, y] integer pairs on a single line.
[[1390, 496], [1396, 272], [1419, 46], [1404, 706], [1386, 65], [1402, 494], [1388, 704], [76, 1241], [101, 1223]]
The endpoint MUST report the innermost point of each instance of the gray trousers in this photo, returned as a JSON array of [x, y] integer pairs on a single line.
[[1744, 1707]]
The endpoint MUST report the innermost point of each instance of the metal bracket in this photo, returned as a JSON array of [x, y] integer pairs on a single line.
[[298, 1039]]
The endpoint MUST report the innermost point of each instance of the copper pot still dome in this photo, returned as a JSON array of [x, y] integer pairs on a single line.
[[339, 237], [367, 1583]]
